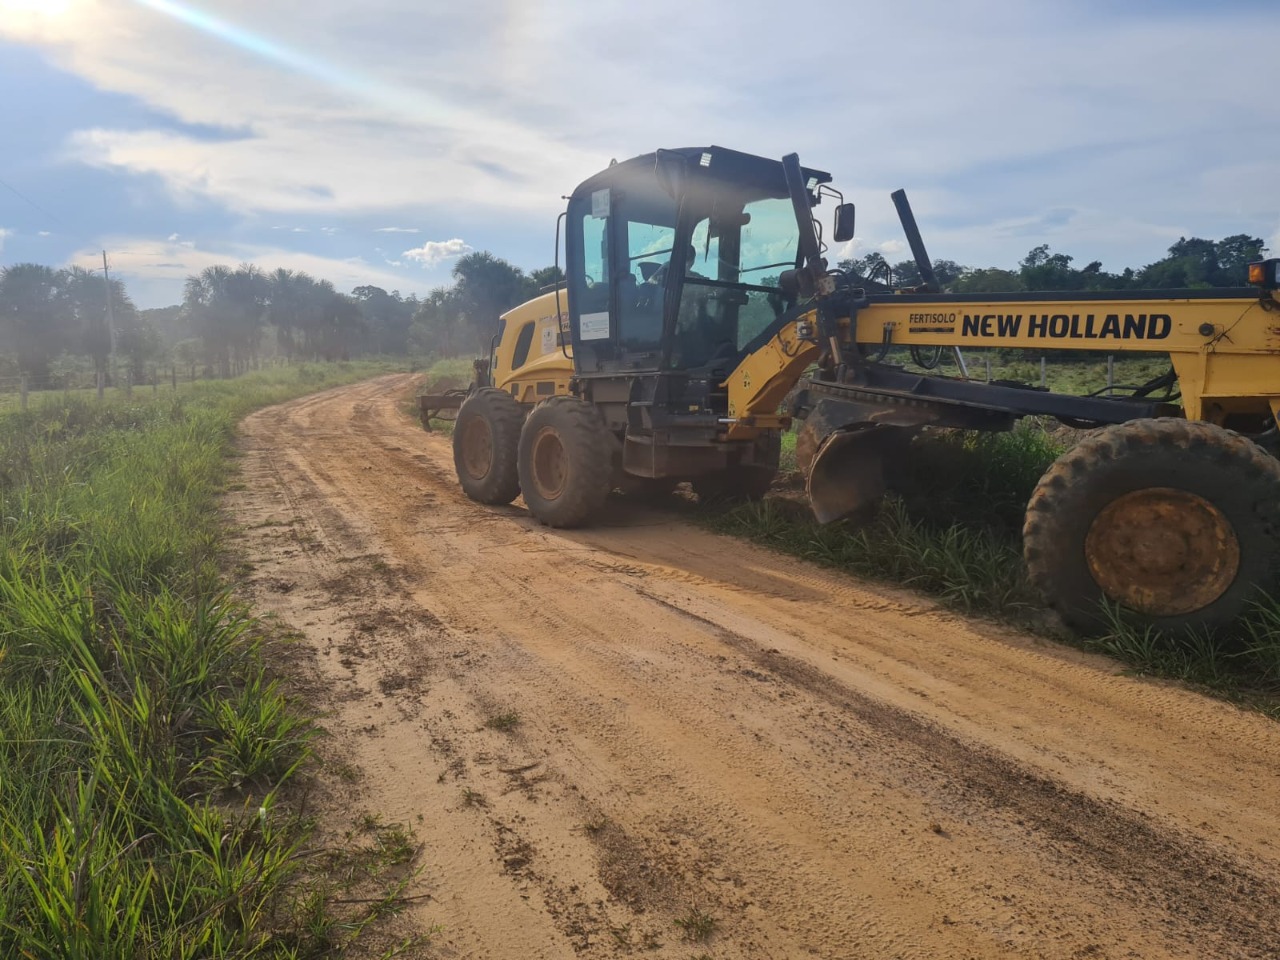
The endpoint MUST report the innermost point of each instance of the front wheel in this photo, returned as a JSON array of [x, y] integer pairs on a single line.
[[486, 437], [566, 462], [1173, 521]]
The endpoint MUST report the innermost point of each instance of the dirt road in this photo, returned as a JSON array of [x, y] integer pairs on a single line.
[[603, 737]]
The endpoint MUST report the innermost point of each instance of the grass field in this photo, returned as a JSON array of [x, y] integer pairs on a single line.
[[143, 746]]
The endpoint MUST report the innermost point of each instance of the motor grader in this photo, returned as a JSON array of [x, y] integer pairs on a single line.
[[698, 319]]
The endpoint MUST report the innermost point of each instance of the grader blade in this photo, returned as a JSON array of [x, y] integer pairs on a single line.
[[849, 474]]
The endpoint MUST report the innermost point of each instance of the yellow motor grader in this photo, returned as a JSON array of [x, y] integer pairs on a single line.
[[699, 319]]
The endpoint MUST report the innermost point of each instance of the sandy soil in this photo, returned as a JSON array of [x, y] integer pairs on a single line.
[[826, 767]]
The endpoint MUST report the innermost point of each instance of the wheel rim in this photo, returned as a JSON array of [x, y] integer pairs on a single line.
[[1163, 552], [477, 447], [550, 464]]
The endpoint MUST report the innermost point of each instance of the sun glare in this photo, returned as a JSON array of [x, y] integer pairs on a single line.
[[34, 9]]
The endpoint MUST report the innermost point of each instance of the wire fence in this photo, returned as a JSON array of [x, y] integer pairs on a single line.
[[18, 392]]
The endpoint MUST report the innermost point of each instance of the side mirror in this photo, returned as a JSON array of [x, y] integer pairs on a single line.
[[843, 232]]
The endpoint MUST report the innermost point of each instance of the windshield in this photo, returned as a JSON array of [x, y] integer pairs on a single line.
[[769, 241], [730, 292]]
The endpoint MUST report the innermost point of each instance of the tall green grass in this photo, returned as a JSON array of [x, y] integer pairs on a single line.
[[142, 744], [448, 374], [950, 529], [975, 570]]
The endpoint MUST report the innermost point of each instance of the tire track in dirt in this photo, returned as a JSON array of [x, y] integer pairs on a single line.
[[829, 768], [1219, 892]]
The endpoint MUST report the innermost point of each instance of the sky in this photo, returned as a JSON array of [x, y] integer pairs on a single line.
[[377, 142]]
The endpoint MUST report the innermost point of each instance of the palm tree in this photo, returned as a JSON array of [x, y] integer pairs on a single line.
[[202, 299], [86, 293], [36, 317], [285, 306], [226, 308]]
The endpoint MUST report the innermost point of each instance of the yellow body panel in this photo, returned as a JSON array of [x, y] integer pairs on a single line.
[[1226, 352], [547, 363]]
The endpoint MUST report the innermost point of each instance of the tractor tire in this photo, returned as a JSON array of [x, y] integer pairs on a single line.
[[566, 462], [746, 483], [486, 443], [1175, 522]]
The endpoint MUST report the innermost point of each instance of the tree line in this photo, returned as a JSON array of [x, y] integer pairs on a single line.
[[45, 313], [231, 318], [233, 312], [1190, 264]]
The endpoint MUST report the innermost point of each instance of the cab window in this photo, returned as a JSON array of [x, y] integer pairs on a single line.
[[524, 340]]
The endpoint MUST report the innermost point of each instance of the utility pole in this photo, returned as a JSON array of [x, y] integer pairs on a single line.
[[111, 322]]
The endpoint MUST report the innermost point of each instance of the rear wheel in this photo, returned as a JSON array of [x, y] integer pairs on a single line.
[[486, 440], [1174, 521], [566, 462]]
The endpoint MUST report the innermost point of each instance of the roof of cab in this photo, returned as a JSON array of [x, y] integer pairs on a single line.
[[760, 173]]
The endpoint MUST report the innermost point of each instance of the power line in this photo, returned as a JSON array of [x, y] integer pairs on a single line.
[[18, 193]]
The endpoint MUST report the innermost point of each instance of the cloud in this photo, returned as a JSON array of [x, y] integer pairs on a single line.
[[434, 252], [349, 126], [3, 235], [847, 250], [397, 230], [339, 115], [173, 238], [158, 267], [44, 233]]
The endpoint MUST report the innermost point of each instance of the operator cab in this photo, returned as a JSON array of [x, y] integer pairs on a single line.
[[674, 260]]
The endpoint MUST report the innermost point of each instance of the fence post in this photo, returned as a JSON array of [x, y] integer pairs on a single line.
[[102, 383], [988, 359], [128, 383], [173, 375], [1044, 378], [1111, 373], [22, 389], [155, 380]]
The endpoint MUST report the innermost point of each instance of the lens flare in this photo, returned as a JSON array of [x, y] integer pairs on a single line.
[[414, 104], [30, 9], [487, 133]]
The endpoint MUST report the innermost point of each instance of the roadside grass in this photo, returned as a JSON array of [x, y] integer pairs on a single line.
[[953, 530], [448, 374], [1242, 665], [145, 751]]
